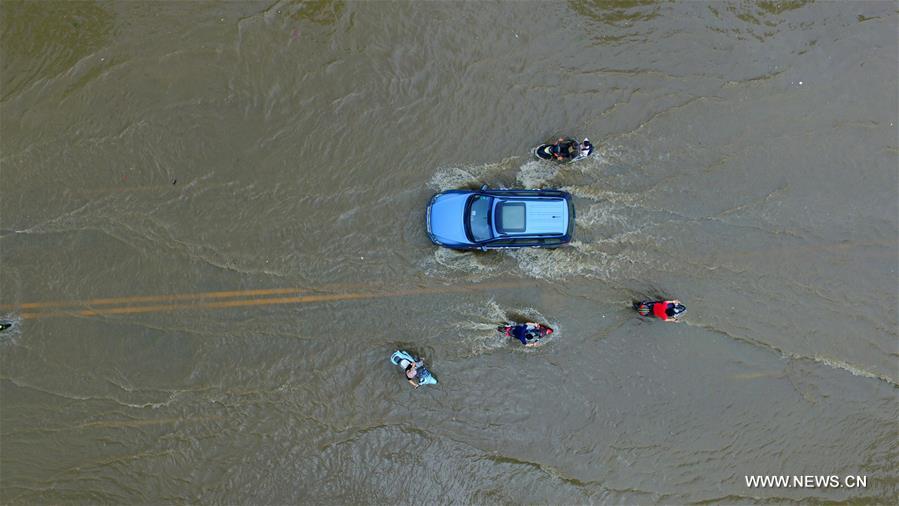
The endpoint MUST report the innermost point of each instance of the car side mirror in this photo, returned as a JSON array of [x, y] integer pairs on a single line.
[[483, 248], [484, 187]]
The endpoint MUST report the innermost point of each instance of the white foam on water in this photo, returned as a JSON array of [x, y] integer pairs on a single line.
[[602, 214], [563, 263], [465, 261], [469, 266], [470, 176], [591, 260], [599, 195], [453, 178], [477, 327], [590, 165], [9, 335], [537, 174], [854, 370]]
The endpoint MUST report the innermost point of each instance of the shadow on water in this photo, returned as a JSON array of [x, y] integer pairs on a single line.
[[323, 12], [56, 34], [616, 12], [621, 21]]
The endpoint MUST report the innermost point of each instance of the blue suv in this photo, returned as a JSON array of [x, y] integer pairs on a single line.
[[489, 219]]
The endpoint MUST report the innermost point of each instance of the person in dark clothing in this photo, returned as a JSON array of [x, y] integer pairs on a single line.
[[412, 374], [411, 370], [528, 333], [565, 148]]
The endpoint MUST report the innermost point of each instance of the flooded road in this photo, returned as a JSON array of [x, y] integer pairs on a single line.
[[212, 238]]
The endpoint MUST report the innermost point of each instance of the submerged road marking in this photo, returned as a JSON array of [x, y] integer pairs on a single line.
[[154, 298], [167, 298], [303, 299]]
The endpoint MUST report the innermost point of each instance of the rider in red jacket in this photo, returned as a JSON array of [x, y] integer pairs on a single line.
[[665, 310], [668, 310]]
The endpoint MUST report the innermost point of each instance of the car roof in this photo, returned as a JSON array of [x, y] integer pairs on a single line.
[[529, 216]]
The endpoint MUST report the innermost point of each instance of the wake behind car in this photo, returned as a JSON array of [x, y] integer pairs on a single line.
[[499, 218]]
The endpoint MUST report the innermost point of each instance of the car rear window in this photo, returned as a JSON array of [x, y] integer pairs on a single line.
[[510, 217]]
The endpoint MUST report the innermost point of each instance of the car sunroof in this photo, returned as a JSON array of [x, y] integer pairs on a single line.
[[511, 217]]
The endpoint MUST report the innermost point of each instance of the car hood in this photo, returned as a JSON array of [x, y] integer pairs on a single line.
[[447, 218]]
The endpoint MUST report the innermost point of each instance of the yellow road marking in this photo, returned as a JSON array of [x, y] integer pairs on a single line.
[[167, 298], [267, 301]]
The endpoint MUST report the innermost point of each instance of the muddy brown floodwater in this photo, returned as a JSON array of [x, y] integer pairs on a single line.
[[212, 238]]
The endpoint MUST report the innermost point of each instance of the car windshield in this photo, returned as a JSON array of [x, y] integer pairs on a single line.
[[479, 218]]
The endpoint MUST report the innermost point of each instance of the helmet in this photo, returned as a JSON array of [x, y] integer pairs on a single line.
[[680, 309]]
